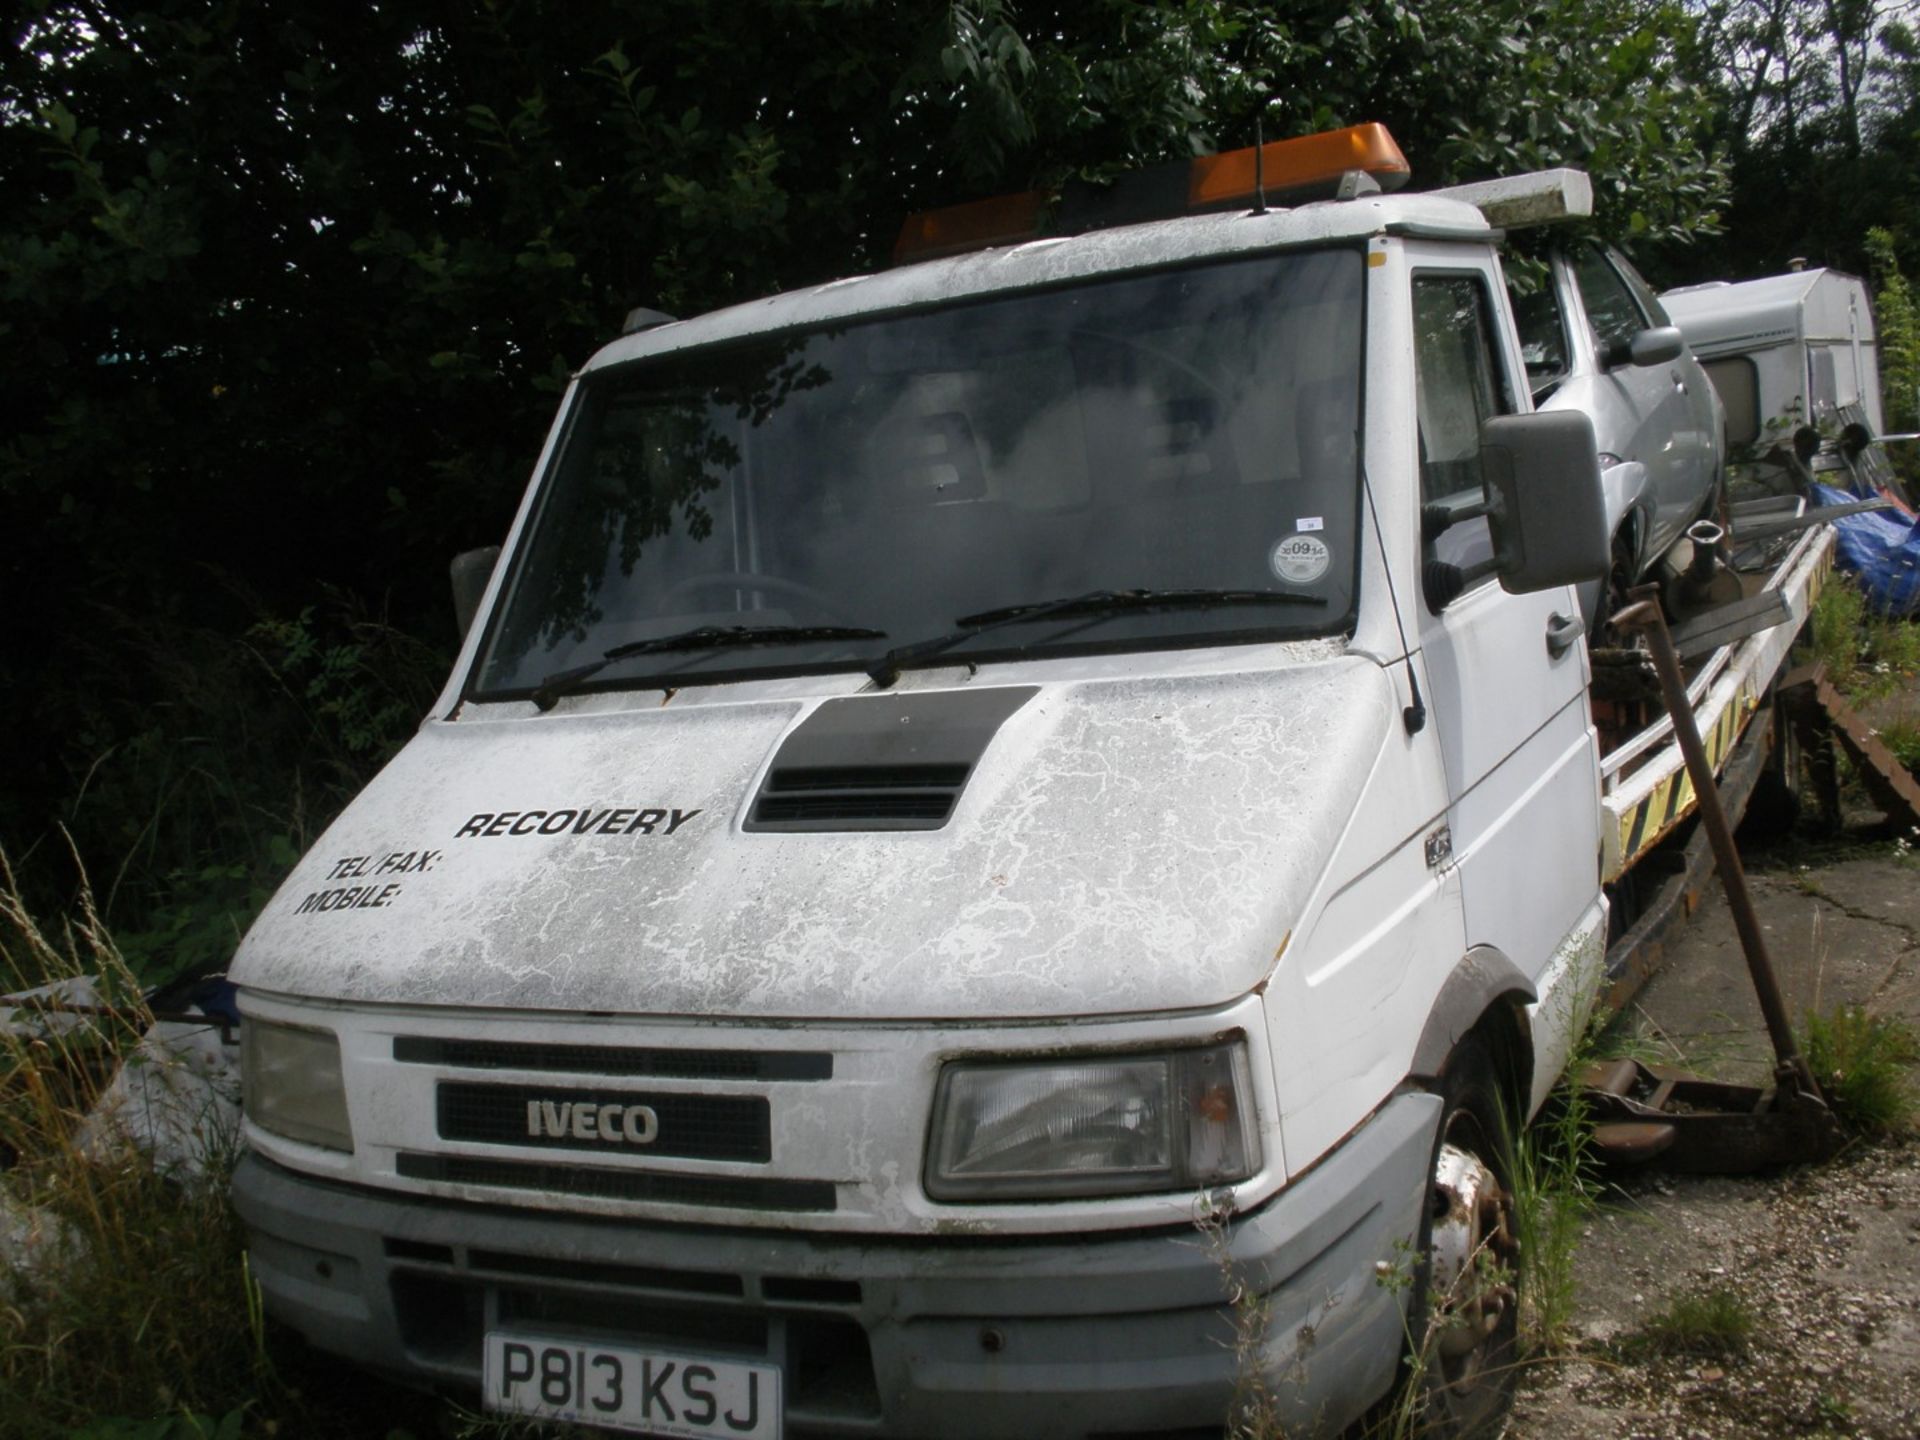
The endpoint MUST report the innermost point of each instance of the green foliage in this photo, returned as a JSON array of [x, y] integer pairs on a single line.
[[1898, 325], [1836, 629], [287, 292], [1712, 1321], [1496, 89], [1863, 1061], [1554, 1189], [206, 763], [1868, 656], [124, 1293], [186, 1425], [1901, 736], [127, 1311]]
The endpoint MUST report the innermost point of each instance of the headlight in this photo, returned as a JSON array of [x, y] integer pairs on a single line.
[[1107, 1125], [292, 1083]]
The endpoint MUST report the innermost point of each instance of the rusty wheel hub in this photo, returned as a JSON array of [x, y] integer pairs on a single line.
[[1474, 1251]]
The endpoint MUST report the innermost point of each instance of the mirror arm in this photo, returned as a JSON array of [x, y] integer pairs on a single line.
[[1442, 582], [1436, 520]]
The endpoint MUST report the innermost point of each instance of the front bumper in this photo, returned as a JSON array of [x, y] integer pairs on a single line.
[[935, 1336]]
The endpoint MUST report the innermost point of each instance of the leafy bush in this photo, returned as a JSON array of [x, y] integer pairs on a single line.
[[204, 763]]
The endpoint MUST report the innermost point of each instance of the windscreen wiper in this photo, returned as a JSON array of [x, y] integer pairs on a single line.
[[703, 637], [884, 671]]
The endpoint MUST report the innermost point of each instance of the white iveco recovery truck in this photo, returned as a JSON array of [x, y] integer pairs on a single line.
[[959, 773]]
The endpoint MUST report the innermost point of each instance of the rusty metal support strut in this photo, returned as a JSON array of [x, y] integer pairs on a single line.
[[1645, 616]]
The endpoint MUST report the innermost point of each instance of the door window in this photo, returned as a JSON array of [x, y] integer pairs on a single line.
[[1459, 384], [1611, 309], [1656, 313], [1543, 336]]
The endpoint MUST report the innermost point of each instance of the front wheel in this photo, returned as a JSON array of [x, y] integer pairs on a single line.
[[1467, 1340]]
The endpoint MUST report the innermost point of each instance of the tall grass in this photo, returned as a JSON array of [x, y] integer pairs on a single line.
[[1554, 1189], [1868, 656], [124, 1291], [1864, 1062]]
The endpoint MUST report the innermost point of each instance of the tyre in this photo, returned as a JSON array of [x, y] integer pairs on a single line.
[[1600, 598], [1469, 1330], [1773, 809]]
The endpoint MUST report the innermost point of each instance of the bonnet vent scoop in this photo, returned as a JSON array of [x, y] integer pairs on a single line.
[[881, 762]]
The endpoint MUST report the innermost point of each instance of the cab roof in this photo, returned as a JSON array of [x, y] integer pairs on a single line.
[[1060, 260]]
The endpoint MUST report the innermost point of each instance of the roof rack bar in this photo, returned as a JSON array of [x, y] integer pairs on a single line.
[[1541, 197]]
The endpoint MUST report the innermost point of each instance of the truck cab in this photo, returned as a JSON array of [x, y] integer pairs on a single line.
[[991, 811]]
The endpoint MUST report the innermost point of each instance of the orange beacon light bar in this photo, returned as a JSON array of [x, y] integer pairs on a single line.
[[1285, 168], [1311, 160], [955, 229]]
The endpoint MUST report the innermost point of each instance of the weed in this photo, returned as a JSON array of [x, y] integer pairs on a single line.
[[130, 1299], [1835, 629], [1714, 1320], [185, 1425], [127, 1311], [1862, 1061], [1553, 1167], [1254, 1413], [478, 1425], [1832, 1413], [1901, 735], [1553, 1198], [1868, 656]]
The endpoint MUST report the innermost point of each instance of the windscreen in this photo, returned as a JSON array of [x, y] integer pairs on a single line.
[[1192, 429]]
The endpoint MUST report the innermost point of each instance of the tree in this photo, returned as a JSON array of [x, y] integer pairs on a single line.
[[290, 287]]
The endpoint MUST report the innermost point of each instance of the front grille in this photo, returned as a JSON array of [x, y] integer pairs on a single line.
[[614, 1060], [598, 1272], [596, 1183], [693, 1127], [636, 1322]]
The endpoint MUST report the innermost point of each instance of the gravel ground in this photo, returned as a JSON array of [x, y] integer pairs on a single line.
[[1825, 1260], [1828, 1264]]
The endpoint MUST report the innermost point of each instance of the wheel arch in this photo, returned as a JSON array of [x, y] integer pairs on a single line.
[[1485, 994]]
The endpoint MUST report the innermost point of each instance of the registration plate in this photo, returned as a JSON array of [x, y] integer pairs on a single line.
[[650, 1392]]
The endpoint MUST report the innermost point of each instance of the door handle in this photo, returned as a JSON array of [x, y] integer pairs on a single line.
[[1562, 631]]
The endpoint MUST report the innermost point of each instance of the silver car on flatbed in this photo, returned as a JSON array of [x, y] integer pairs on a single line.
[[1596, 339]]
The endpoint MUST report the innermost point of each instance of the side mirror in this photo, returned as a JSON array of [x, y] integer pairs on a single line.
[[470, 571], [1645, 347], [1544, 502]]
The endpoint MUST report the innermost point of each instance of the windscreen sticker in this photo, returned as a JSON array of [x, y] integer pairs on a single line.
[[1300, 559], [590, 821], [1310, 522]]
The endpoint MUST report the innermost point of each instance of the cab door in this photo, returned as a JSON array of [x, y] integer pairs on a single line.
[[1508, 672]]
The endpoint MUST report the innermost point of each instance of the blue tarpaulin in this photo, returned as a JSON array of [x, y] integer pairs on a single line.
[[1881, 547]]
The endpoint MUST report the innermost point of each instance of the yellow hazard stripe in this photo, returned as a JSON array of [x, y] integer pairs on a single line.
[[1671, 800]]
